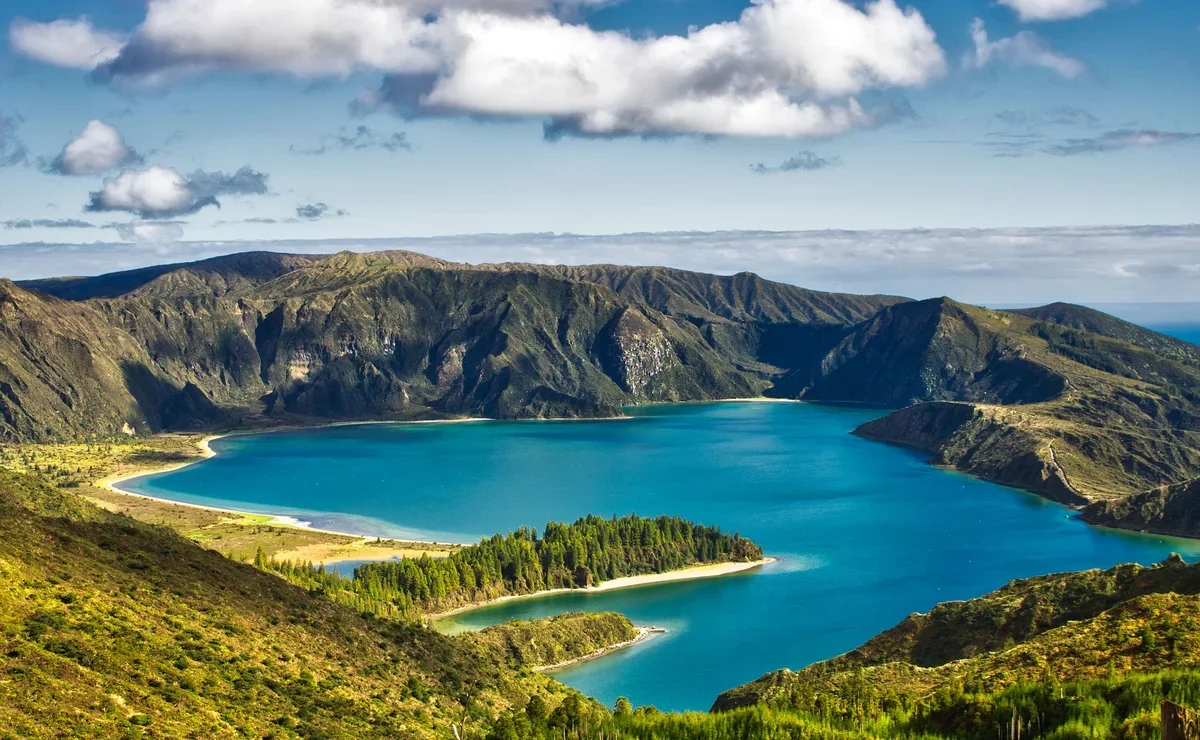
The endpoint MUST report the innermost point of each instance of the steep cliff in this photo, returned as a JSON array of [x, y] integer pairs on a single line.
[[1173, 510], [262, 338]]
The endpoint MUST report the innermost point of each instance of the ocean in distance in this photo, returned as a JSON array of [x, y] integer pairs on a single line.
[[865, 533]]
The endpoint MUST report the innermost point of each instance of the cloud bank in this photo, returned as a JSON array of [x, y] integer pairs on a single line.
[[47, 223], [1035, 265], [792, 68]]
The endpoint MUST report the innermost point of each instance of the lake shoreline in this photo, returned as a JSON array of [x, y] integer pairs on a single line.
[[112, 482], [691, 573], [643, 634], [367, 547]]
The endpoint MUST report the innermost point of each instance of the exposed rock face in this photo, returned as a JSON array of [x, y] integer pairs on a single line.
[[259, 338], [636, 351], [1171, 510]]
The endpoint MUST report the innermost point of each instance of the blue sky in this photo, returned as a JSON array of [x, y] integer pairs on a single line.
[[369, 119]]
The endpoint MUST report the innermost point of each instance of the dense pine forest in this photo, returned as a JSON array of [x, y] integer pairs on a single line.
[[588, 552]]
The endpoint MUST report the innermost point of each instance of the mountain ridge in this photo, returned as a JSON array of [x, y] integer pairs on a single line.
[[1064, 401]]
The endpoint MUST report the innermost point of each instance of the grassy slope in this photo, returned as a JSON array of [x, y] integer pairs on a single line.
[[1125, 421], [1072, 626], [78, 466], [111, 628], [558, 639]]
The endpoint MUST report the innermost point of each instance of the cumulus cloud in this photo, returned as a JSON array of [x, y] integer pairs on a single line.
[[150, 232], [75, 44], [1121, 139], [784, 68], [47, 223], [362, 139], [160, 192], [315, 211], [12, 149], [805, 161], [98, 149], [1053, 10], [1025, 49]]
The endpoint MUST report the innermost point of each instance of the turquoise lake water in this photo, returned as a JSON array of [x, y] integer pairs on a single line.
[[865, 533]]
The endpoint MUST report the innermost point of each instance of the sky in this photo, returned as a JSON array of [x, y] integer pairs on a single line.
[[994, 150]]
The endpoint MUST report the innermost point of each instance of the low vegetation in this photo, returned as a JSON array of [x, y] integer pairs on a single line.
[[83, 466], [114, 628], [550, 642]]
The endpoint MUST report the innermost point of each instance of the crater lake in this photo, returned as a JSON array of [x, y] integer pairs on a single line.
[[864, 533]]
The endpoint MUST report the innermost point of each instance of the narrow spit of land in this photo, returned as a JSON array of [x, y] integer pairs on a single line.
[[713, 570]]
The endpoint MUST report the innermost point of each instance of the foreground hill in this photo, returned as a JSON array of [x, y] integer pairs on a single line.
[[1085, 654], [1070, 403], [111, 628]]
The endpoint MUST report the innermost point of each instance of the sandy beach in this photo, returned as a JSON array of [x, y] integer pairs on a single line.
[[686, 574], [352, 547]]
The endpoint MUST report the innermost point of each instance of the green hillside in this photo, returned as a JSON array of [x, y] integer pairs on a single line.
[[111, 628]]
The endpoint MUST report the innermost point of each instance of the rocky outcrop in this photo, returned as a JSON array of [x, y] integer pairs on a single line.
[[1171, 510], [635, 351]]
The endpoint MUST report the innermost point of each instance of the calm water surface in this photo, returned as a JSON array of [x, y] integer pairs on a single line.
[[865, 533], [1187, 332]]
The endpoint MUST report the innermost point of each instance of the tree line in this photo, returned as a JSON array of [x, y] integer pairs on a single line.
[[589, 551]]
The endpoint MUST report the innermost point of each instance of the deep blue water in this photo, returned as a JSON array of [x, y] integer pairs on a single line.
[[1187, 332], [865, 533]]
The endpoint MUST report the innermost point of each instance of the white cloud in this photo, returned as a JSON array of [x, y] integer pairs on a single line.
[[1053, 10], [150, 232], [784, 68], [99, 149], [305, 38], [161, 192], [152, 191], [65, 43], [1025, 49]]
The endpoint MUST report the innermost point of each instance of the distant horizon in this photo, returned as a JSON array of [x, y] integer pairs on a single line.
[[1013, 266]]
